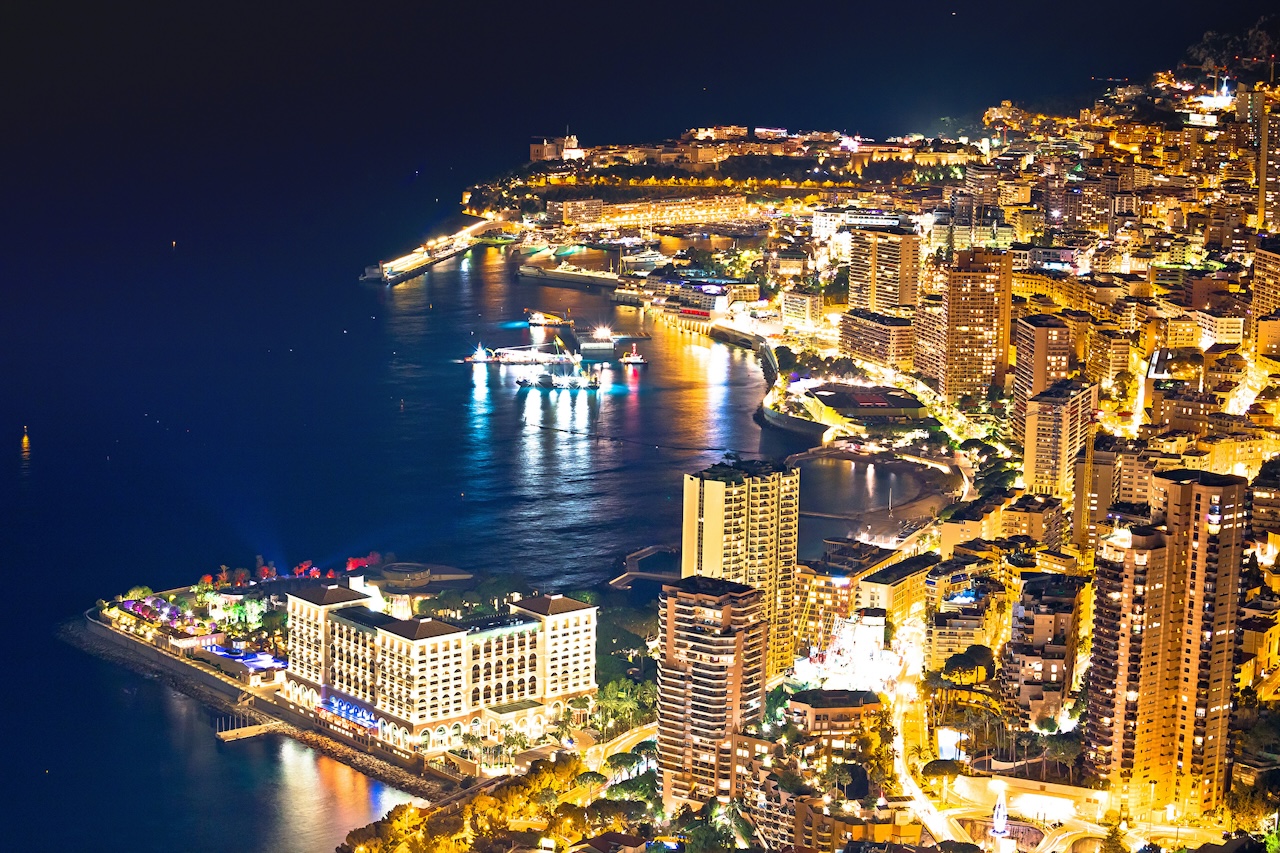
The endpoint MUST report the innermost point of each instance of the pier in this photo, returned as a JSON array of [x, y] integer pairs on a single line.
[[428, 254], [236, 727]]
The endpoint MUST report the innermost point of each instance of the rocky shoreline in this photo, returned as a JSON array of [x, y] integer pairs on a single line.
[[75, 633]]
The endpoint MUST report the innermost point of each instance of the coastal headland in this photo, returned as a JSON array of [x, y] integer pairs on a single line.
[[204, 687]]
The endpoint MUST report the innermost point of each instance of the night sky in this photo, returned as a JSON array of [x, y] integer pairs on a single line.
[[170, 119]]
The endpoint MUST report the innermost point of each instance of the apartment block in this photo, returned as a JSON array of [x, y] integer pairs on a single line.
[[884, 268], [741, 524], [1042, 344], [1057, 428], [880, 339], [712, 635]]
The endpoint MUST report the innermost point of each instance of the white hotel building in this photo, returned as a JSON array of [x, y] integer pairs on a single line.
[[418, 685]]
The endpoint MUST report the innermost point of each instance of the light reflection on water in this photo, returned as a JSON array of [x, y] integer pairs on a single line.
[[559, 483], [598, 469]]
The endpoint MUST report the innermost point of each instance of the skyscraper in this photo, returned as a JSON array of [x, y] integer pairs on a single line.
[[1266, 284], [884, 268], [977, 301], [1268, 172], [1043, 346], [1057, 427], [1160, 688], [1119, 749], [929, 337], [712, 636], [741, 523]]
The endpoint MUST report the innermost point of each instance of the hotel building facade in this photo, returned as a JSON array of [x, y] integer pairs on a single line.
[[418, 685]]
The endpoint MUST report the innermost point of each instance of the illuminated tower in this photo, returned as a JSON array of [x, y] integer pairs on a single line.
[[741, 523], [884, 269], [1043, 346], [711, 682], [1266, 284], [977, 298], [1117, 747], [1268, 172], [1057, 427], [1165, 634], [1206, 516]]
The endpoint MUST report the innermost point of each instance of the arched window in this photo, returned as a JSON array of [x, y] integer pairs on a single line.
[[487, 695], [475, 672], [488, 671], [475, 696], [511, 689], [497, 669], [511, 665], [533, 684], [520, 687]]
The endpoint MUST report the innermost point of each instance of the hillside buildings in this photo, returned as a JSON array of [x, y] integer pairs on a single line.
[[1039, 660]]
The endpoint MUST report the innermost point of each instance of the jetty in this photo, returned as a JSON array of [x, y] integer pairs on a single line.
[[237, 727]]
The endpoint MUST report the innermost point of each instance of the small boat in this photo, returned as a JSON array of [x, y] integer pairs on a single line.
[[546, 380], [634, 357], [524, 382]]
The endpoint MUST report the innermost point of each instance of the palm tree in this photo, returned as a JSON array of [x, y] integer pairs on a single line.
[[918, 753], [647, 697], [627, 705], [560, 728], [580, 703]]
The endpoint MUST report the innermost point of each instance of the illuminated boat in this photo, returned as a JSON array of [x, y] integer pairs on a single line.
[[648, 259], [569, 273], [634, 357], [546, 318], [518, 355]]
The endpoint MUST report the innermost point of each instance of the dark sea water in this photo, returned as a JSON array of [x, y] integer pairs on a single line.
[[203, 410]]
